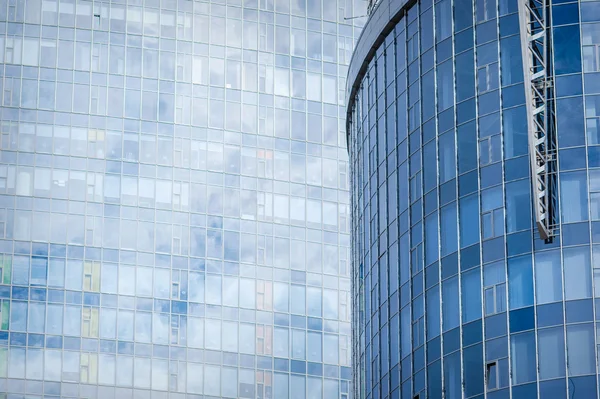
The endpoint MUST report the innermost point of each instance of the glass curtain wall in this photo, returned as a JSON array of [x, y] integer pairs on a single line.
[[174, 211], [454, 292]]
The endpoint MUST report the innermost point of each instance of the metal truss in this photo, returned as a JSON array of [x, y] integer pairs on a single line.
[[536, 48], [371, 5]]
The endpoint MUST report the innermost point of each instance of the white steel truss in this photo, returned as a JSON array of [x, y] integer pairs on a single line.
[[536, 48], [371, 5]]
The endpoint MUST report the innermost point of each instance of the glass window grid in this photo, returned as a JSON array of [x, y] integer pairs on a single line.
[[357, 150], [117, 24]]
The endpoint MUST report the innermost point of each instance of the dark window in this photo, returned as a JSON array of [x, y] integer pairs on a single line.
[[491, 376], [567, 55]]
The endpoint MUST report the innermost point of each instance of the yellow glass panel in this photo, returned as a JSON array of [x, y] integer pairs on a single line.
[[94, 323], [95, 277], [91, 276], [89, 368]]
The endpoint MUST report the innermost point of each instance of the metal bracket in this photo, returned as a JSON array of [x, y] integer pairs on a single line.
[[536, 49]]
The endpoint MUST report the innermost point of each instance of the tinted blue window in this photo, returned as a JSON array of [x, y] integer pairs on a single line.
[[518, 212], [590, 12], [452, 372], [565, 14], [553, 389], [525, 391], [567, 53], [471, 295], [469, 220], [568, 85], [551, 351], [518, 243], [513, 95], [465, 76], [583, 387], [473, 370], [515, 132], [469, 257], [450, 304], [523, 359], [495, 326], [522, 320], [520, 282], [573, 158], [509, 25], [574, 196], [579, 311], [576, 234], [512, 67], [472, 333], [464, 16]]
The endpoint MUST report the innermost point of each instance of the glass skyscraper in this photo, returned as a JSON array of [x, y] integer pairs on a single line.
[[174, 209], [474, 140]]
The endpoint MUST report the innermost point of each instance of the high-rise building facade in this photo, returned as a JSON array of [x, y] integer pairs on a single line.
[[475, 167], [174, 209]]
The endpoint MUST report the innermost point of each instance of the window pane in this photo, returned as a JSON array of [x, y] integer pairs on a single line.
[[551, 352], [548, 279], [448, 230], [573, 196], [450, 303], [581, 360], [471, 296], [518, 206], [520, 282], [469, 221], [522, 347], [578, 279]]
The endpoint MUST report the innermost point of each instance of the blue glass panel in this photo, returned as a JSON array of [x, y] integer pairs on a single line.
[[565, 14], [576, 234], [582, 387], [516, 168], [579, 358], [472, 333], [469, 220], [452, 372], [568, 85], [579, 311], [518, 243], [596, 231], [525, 391], [518, 211], [522, 319], [467, 183], [473, 371], [493, 249], [513, 95], [590, 12], [567, 55], [451, 341], [515, 134], [495, 326], [522, 349], [469, 257], [553, 389], [471, 295], [511, 64], [550, 315], [501, 394], [594, 156]]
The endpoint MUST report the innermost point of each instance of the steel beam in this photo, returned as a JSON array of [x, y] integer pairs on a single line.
[[539, 97]]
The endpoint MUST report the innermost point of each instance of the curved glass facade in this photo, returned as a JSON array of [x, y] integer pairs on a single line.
[[174, 210], [455, 295]]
